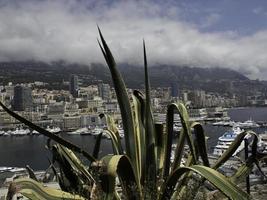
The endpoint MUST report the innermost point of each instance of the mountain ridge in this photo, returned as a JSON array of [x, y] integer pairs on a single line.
[[215, 79]]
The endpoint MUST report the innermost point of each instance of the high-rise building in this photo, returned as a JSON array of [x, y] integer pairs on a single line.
[[22, 100], [74, 88], [104, 91], [174, 89], [198, 98]]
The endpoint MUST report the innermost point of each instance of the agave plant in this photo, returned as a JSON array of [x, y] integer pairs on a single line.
[[143, 169]]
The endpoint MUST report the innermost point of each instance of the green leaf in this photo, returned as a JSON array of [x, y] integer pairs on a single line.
[[121, 166], [139, 134], [160, 141], [97, 145], [168, 141], [184, 134], [200, 143], [123, 100], [36, 191], [151, 157], [243, 171], [31, 173], [113, 132], [218, 180], [75, 162]]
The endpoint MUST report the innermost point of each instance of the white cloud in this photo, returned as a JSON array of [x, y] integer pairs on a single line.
[[55, 30], [210, 20]]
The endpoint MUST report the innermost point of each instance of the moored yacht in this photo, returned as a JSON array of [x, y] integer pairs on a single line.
[[53, 129], [34, 132], [96, 131], [177, 127], [226, 140], [262, 144], [85, 131], [20, 132], [248, 124], [121, 132], [80, 131], [2, 133]]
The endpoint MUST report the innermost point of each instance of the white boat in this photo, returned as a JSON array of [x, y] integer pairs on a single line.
[[106, 135], [20, 132], [2, 133], [220, 123], [121, 132], [96, 131], [53, 129], [85, 131], [177, 127], [262, 144], [34, 132], [226, 140], [248, 124], [224, 123], [76, 132], [12, 169], [7, 133], [80, 131]]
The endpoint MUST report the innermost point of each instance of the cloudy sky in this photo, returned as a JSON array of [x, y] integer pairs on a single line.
[[204, 33]]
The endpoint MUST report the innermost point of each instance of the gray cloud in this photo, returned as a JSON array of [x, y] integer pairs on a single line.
[[55, 30]]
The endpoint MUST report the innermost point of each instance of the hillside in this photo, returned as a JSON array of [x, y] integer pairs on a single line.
[[209, 79]]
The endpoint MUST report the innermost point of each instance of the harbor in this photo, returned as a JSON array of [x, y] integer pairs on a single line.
[[19, 145], [34, 144]]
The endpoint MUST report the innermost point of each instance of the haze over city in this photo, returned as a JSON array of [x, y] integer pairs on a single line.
[[227, 34]]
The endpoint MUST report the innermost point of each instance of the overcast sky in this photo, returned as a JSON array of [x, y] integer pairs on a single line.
[[203, 33]]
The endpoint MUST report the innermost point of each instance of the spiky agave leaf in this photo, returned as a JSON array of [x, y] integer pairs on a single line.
[[36, 191], [200, 144], [110, 123], [31, 173], [140, 137], [71, 178], [151, 165], [122, 96], [184, 134], [46, 133], [75, 162], [113, 132], [160, 142], [168, 142], [245, 169], [218, 180], [121, 166], [97, 146]]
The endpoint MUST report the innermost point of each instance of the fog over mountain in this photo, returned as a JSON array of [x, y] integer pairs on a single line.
[[218, 80], [225, 34]]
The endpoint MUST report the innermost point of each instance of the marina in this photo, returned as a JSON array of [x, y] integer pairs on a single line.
[[14, 148], [56, 130], [246, 124]]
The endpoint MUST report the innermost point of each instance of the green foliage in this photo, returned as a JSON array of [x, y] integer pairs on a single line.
[[36, 191], [144, 169]]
